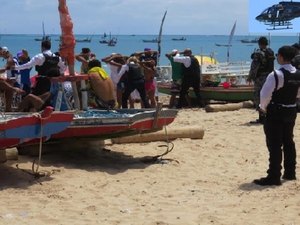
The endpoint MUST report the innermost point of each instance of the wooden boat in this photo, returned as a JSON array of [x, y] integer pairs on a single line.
[[223, 45], [105, 124], [179, 39], [247, 41], [84, 40], [111, 41], [44, 37], [155, 40], [18, 128], [229, 41], [236, 93]]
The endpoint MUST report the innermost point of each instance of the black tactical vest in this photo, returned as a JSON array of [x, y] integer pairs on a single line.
[[135, 72], [193, 71], [288, 93], [50, 66]]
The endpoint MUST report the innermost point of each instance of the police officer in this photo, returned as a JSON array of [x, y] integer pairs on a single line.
[[262, 64], [278, 102], [47, 65], [135, 81], [191, 76]]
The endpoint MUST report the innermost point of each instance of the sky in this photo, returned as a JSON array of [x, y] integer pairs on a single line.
[[198, 17], [126, 16]]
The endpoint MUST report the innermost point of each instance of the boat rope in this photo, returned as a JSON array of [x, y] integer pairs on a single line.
[[159, 158], [35, 171]]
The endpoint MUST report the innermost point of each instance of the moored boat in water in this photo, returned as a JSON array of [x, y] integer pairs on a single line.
[[179, 39], [154, 40]]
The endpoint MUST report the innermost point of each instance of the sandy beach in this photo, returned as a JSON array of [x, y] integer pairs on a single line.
[[206, 181]]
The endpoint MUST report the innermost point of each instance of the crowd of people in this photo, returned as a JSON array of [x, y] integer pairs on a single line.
[[130, 78], [276, 90]]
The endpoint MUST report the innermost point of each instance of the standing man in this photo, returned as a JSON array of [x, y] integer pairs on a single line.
[[23, 58], [191, 76], [278, 102], [176, 76], [262, 64], [47, 65], [176, 67], [135, 81]]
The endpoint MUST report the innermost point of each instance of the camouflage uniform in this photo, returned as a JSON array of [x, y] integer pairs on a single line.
[[262, 64]]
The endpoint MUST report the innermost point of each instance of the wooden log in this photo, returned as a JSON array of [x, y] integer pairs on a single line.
[[11, 154], [3, 158], [189, 132], [228, 106]]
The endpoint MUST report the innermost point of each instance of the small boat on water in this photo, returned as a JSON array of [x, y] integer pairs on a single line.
[[84, 40], [17, 128], [179, 39], [229, 40], [112, 41], [247, 41], [223, 45], [109, 40], [154, 40], [44, 37]]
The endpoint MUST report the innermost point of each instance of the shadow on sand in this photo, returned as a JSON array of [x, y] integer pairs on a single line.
[[90, 159]]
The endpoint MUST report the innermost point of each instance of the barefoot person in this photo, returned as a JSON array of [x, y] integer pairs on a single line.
[[33, 103], [101, 87], [6, 85], [149, 73]]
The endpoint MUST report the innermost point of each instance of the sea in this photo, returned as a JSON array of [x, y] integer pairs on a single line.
[[128, 44]]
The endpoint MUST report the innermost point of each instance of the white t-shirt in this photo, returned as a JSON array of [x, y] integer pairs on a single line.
[[114, 73]]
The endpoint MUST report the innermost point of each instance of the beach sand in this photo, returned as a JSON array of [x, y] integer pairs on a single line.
[[206, 181]]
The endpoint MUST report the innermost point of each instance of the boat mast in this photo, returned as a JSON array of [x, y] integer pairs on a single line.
[[230, 40], [159, 37]]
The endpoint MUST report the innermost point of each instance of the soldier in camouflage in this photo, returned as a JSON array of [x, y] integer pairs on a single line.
[[262, 64]]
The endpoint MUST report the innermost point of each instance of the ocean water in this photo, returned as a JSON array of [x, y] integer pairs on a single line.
[[127, 44]]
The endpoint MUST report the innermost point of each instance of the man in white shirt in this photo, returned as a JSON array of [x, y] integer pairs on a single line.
[[190, 76], [47, 65], [278, 101]]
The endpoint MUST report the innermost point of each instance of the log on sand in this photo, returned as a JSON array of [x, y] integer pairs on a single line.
[[3, 158], [8, 154], [228, 106], [171, 134]]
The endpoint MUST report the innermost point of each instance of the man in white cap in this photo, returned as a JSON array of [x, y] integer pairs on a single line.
[[176, 66], [191, 76]]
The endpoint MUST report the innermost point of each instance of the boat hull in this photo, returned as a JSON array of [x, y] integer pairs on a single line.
[[104, 124], [231, 94], [119, 123], [19, 128]]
